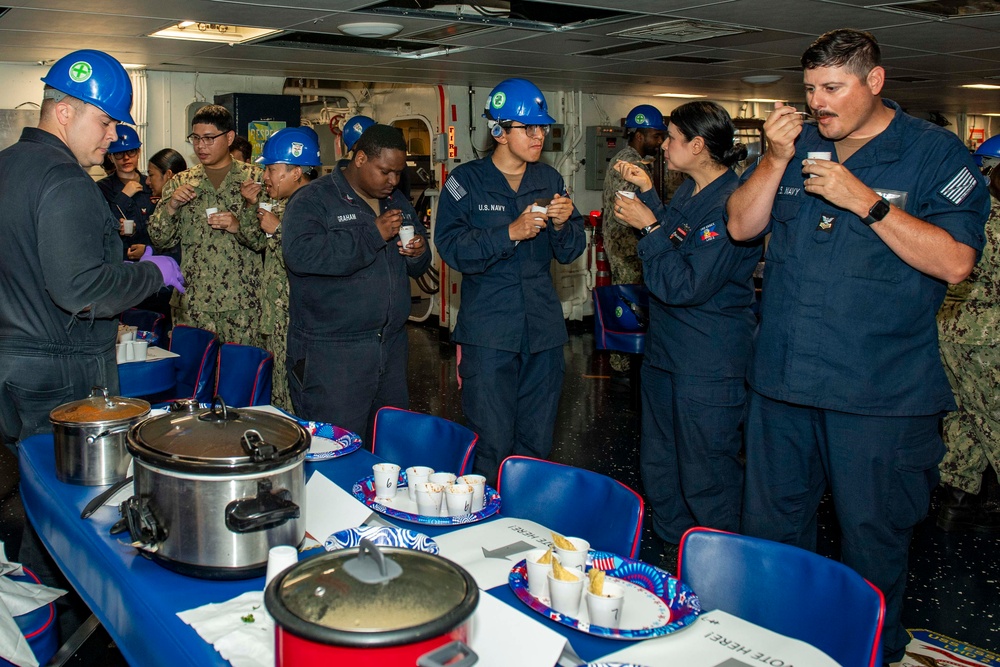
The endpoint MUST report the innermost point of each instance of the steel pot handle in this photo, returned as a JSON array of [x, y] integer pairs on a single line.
[[101, 391], [91, 439], [443, 656], [268, 509]]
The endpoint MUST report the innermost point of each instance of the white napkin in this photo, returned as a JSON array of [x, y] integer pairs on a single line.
[[18, 598], [241, 642], [340, 510]]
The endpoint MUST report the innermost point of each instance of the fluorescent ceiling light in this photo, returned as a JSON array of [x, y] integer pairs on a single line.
[[982, 86], [762, 100], [212, 32], [683, 96], [761, 78], [988, 114], [371, 29]]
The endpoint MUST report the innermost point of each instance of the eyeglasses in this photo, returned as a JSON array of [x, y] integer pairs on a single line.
[[530, 130], [121, 155], [208, 139]]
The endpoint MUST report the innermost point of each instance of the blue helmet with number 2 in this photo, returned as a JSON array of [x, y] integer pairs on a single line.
[[520, 100]]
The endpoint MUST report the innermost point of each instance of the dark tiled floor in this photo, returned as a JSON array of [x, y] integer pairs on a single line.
[[954, 586]]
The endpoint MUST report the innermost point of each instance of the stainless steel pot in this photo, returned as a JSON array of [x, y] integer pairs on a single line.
[[216, 488], [89, 437]]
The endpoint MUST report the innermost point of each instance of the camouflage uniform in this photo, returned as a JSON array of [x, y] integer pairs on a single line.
[[274, 313], [221, 270], [619, 239], [970, 349]]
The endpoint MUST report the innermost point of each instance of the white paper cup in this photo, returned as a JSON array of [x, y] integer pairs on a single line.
[[535, 208], [817, 155], [406, 234], [264, 205], [459, 499], [606, 610], [628, 194], [565, 596], [574, 557], [538, 580], [442, 478], [386, 477], [416, 475], [279, 559], [128, 227], [139, 349], [478, 484], [210, 211], [429, 497]]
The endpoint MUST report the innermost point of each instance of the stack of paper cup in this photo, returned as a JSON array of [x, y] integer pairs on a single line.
[[279, 559]]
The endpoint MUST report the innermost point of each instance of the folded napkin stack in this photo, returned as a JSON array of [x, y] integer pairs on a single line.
[[240, 629]]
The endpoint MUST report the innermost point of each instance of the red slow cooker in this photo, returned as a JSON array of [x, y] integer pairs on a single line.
[[388, 605]]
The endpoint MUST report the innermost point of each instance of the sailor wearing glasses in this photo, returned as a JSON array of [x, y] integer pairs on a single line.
[[206, 210], [501, 221]]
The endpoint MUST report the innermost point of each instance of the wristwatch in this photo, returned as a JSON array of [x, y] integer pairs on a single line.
[[646, 230], [879, 210]]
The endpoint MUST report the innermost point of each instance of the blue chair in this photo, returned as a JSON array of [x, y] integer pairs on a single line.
[[39, 627], [573, 502], [788, 590], [409, 438], [196, 366], [620, 318], [244, 375], [146, 320]]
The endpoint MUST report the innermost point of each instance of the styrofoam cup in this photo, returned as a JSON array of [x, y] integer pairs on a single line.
[[565, 596], [429, 498], [538, 580], [605, 610], [386, 478], [128, 227], [478, 484], [416, 475], [459, 499], [406, 234], [279, 559], [574, 557]]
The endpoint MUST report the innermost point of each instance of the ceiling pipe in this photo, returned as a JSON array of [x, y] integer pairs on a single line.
[[322, 92]]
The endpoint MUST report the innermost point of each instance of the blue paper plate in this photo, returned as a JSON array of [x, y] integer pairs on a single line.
[[364, 490], [147, 336], [680, 600], [384, 536], [328, 441]]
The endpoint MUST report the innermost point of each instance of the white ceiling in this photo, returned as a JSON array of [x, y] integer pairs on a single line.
[[939, 54]]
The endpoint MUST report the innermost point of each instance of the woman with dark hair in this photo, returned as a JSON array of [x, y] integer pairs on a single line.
[[700, 329], [161, 168]]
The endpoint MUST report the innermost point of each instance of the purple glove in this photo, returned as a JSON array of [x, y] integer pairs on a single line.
[[168, 267]]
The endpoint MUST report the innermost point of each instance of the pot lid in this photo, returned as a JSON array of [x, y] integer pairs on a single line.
[[99, 407], [347, 597], [218, 438]]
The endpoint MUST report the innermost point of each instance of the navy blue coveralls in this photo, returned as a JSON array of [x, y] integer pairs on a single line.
[[138, 207], [510, 323], [348, 305], [694, 368], [62, 284], [848, 387]]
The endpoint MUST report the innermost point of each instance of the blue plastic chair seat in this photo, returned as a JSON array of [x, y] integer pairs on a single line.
[[409, 438], [610, 329], [788, 590], [244, 375], [573, 502]]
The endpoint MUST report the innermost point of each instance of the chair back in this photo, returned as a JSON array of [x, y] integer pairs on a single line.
[[788, 590], [620, 318], [146, 320], [409, 438], [573, 502], [196, 366], [244, 375]]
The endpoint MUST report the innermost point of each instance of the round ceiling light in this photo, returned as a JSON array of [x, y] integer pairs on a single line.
[[761, 78], [372, 30]]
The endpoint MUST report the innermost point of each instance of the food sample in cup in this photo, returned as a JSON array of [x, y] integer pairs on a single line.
[[596, 581], [560, 573], [562, 543], [572, 551], [545, 558]]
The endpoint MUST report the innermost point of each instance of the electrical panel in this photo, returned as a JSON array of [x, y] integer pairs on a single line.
[[554, 140], [603, 143]]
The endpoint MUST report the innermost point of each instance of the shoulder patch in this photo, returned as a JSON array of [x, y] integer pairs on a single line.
[[455, 188], [708, 233], [959, 187]]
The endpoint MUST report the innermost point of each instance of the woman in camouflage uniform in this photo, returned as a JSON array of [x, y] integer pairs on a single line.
[[968, 323], [290, 156]]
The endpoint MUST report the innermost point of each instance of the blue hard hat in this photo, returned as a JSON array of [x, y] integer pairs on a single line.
[[292, 145], [520, 100], [645, 116], [126, 141], [988, 149], [354, 128], [96, 78]]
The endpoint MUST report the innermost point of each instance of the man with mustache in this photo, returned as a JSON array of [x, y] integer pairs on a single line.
[[848, 387]]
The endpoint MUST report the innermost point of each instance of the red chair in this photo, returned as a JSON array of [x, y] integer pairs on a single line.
[[244, 375], [196, 367], [788, 590], [572, 501], [409, 438]]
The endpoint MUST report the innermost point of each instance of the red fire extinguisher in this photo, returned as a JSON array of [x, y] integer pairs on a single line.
[[603, 277]]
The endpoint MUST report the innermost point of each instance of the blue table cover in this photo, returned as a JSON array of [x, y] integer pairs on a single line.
[[137, 600], [146, 378]]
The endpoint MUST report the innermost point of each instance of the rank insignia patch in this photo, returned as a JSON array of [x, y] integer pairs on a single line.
[[826, 223]]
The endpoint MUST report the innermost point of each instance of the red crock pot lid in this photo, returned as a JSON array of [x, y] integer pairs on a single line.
[[319, 600]]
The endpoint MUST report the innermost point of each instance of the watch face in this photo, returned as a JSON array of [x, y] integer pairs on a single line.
[[879, 210]]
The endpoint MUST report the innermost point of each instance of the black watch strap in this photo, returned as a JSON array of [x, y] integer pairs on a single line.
[[877, 212]]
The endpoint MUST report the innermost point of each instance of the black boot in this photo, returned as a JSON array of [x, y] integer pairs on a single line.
[[962, 511]]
